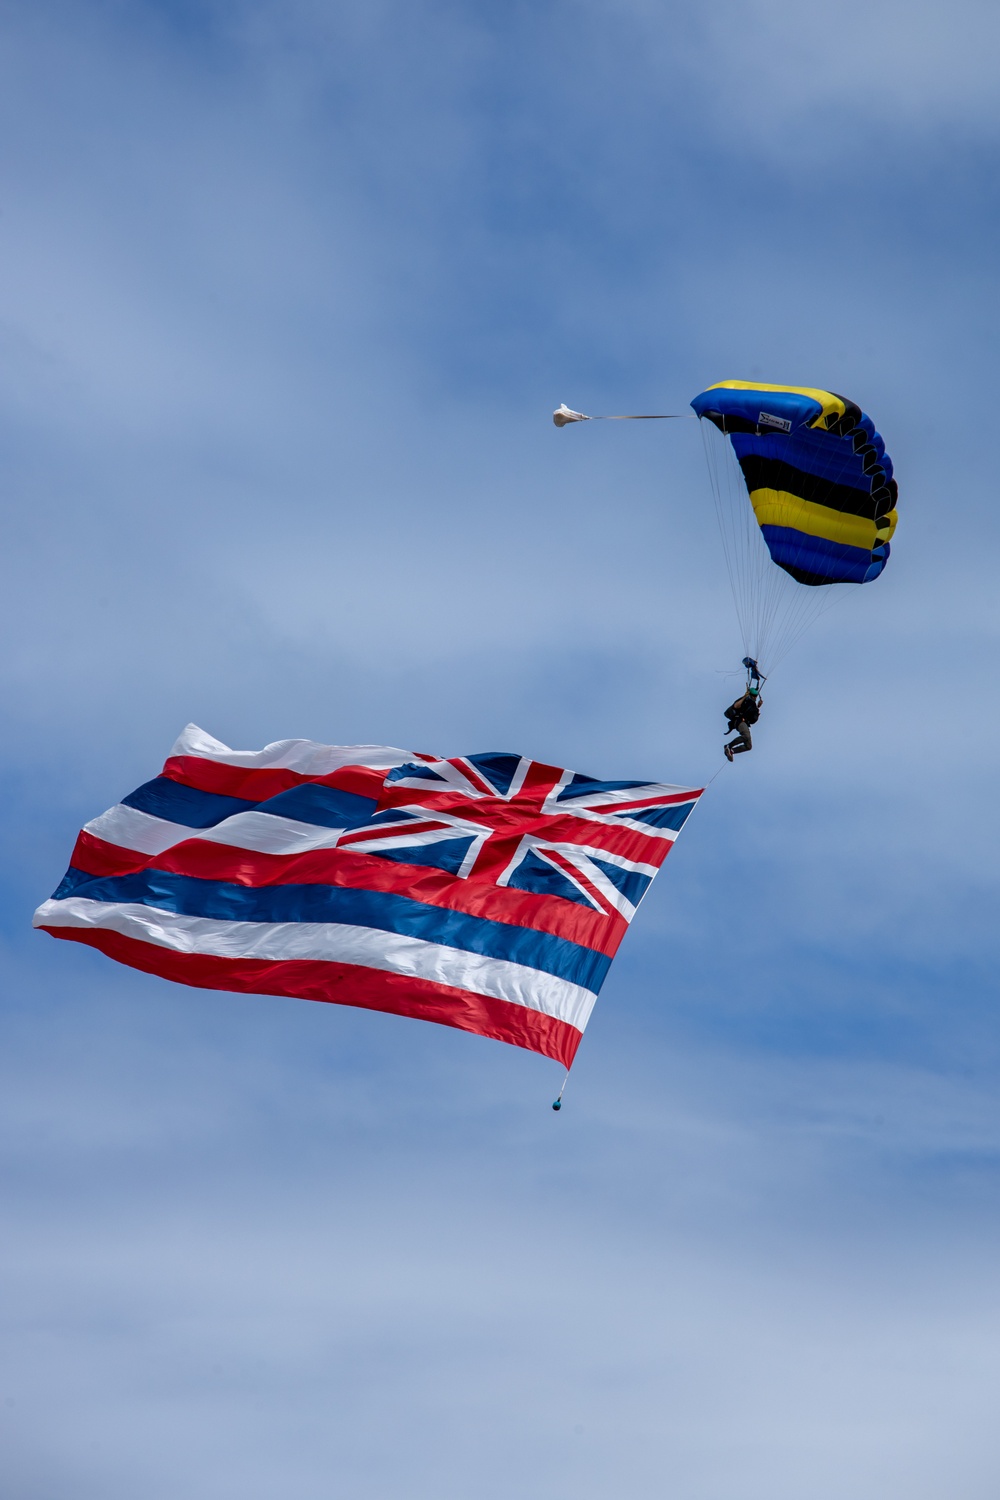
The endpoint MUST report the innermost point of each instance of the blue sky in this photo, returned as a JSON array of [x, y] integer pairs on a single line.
[[289, 293]]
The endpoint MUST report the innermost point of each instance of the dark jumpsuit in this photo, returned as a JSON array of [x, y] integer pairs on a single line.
[[739, 716]]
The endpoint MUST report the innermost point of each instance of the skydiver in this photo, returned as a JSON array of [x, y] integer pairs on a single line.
[[754, 674], [739, 716]]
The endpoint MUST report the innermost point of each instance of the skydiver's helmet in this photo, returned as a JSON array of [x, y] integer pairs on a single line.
[[754, 691]]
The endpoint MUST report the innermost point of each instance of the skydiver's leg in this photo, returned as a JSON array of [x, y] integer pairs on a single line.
[[744, 742]]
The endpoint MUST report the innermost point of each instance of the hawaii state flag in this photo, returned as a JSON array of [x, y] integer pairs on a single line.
[[487, 892]]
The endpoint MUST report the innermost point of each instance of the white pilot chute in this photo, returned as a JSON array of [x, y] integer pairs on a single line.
[[563, 415]]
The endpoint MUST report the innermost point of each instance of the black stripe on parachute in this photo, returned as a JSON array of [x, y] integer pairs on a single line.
[[772, 474]]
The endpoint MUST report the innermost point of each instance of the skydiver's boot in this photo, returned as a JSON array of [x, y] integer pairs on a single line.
[[728, 752]]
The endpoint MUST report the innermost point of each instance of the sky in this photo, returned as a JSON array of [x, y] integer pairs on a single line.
[[289, 293]]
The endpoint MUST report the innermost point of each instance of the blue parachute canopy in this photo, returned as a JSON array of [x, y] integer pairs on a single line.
[[817, 475]]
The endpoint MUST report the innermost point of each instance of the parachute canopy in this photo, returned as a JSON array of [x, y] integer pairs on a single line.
[[818, 476]]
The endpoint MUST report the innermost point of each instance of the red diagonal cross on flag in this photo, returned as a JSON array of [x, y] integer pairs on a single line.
[[444, 801]]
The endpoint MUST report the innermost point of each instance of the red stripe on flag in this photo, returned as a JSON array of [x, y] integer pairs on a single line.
[[257, 784], [97, 857], [344, 984], [206, 860]]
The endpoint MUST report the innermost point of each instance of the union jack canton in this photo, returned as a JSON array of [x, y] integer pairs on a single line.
[[487, 892]]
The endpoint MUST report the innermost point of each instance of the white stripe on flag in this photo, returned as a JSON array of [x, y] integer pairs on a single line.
[[335, 942], [265, 833], [131, 829], [307, 757]]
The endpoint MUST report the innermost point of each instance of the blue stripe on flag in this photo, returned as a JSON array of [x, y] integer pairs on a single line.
[[222, 901], [326, 805], [176, 803]]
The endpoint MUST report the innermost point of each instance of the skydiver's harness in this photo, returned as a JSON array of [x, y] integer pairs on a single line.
[[743, 711]]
